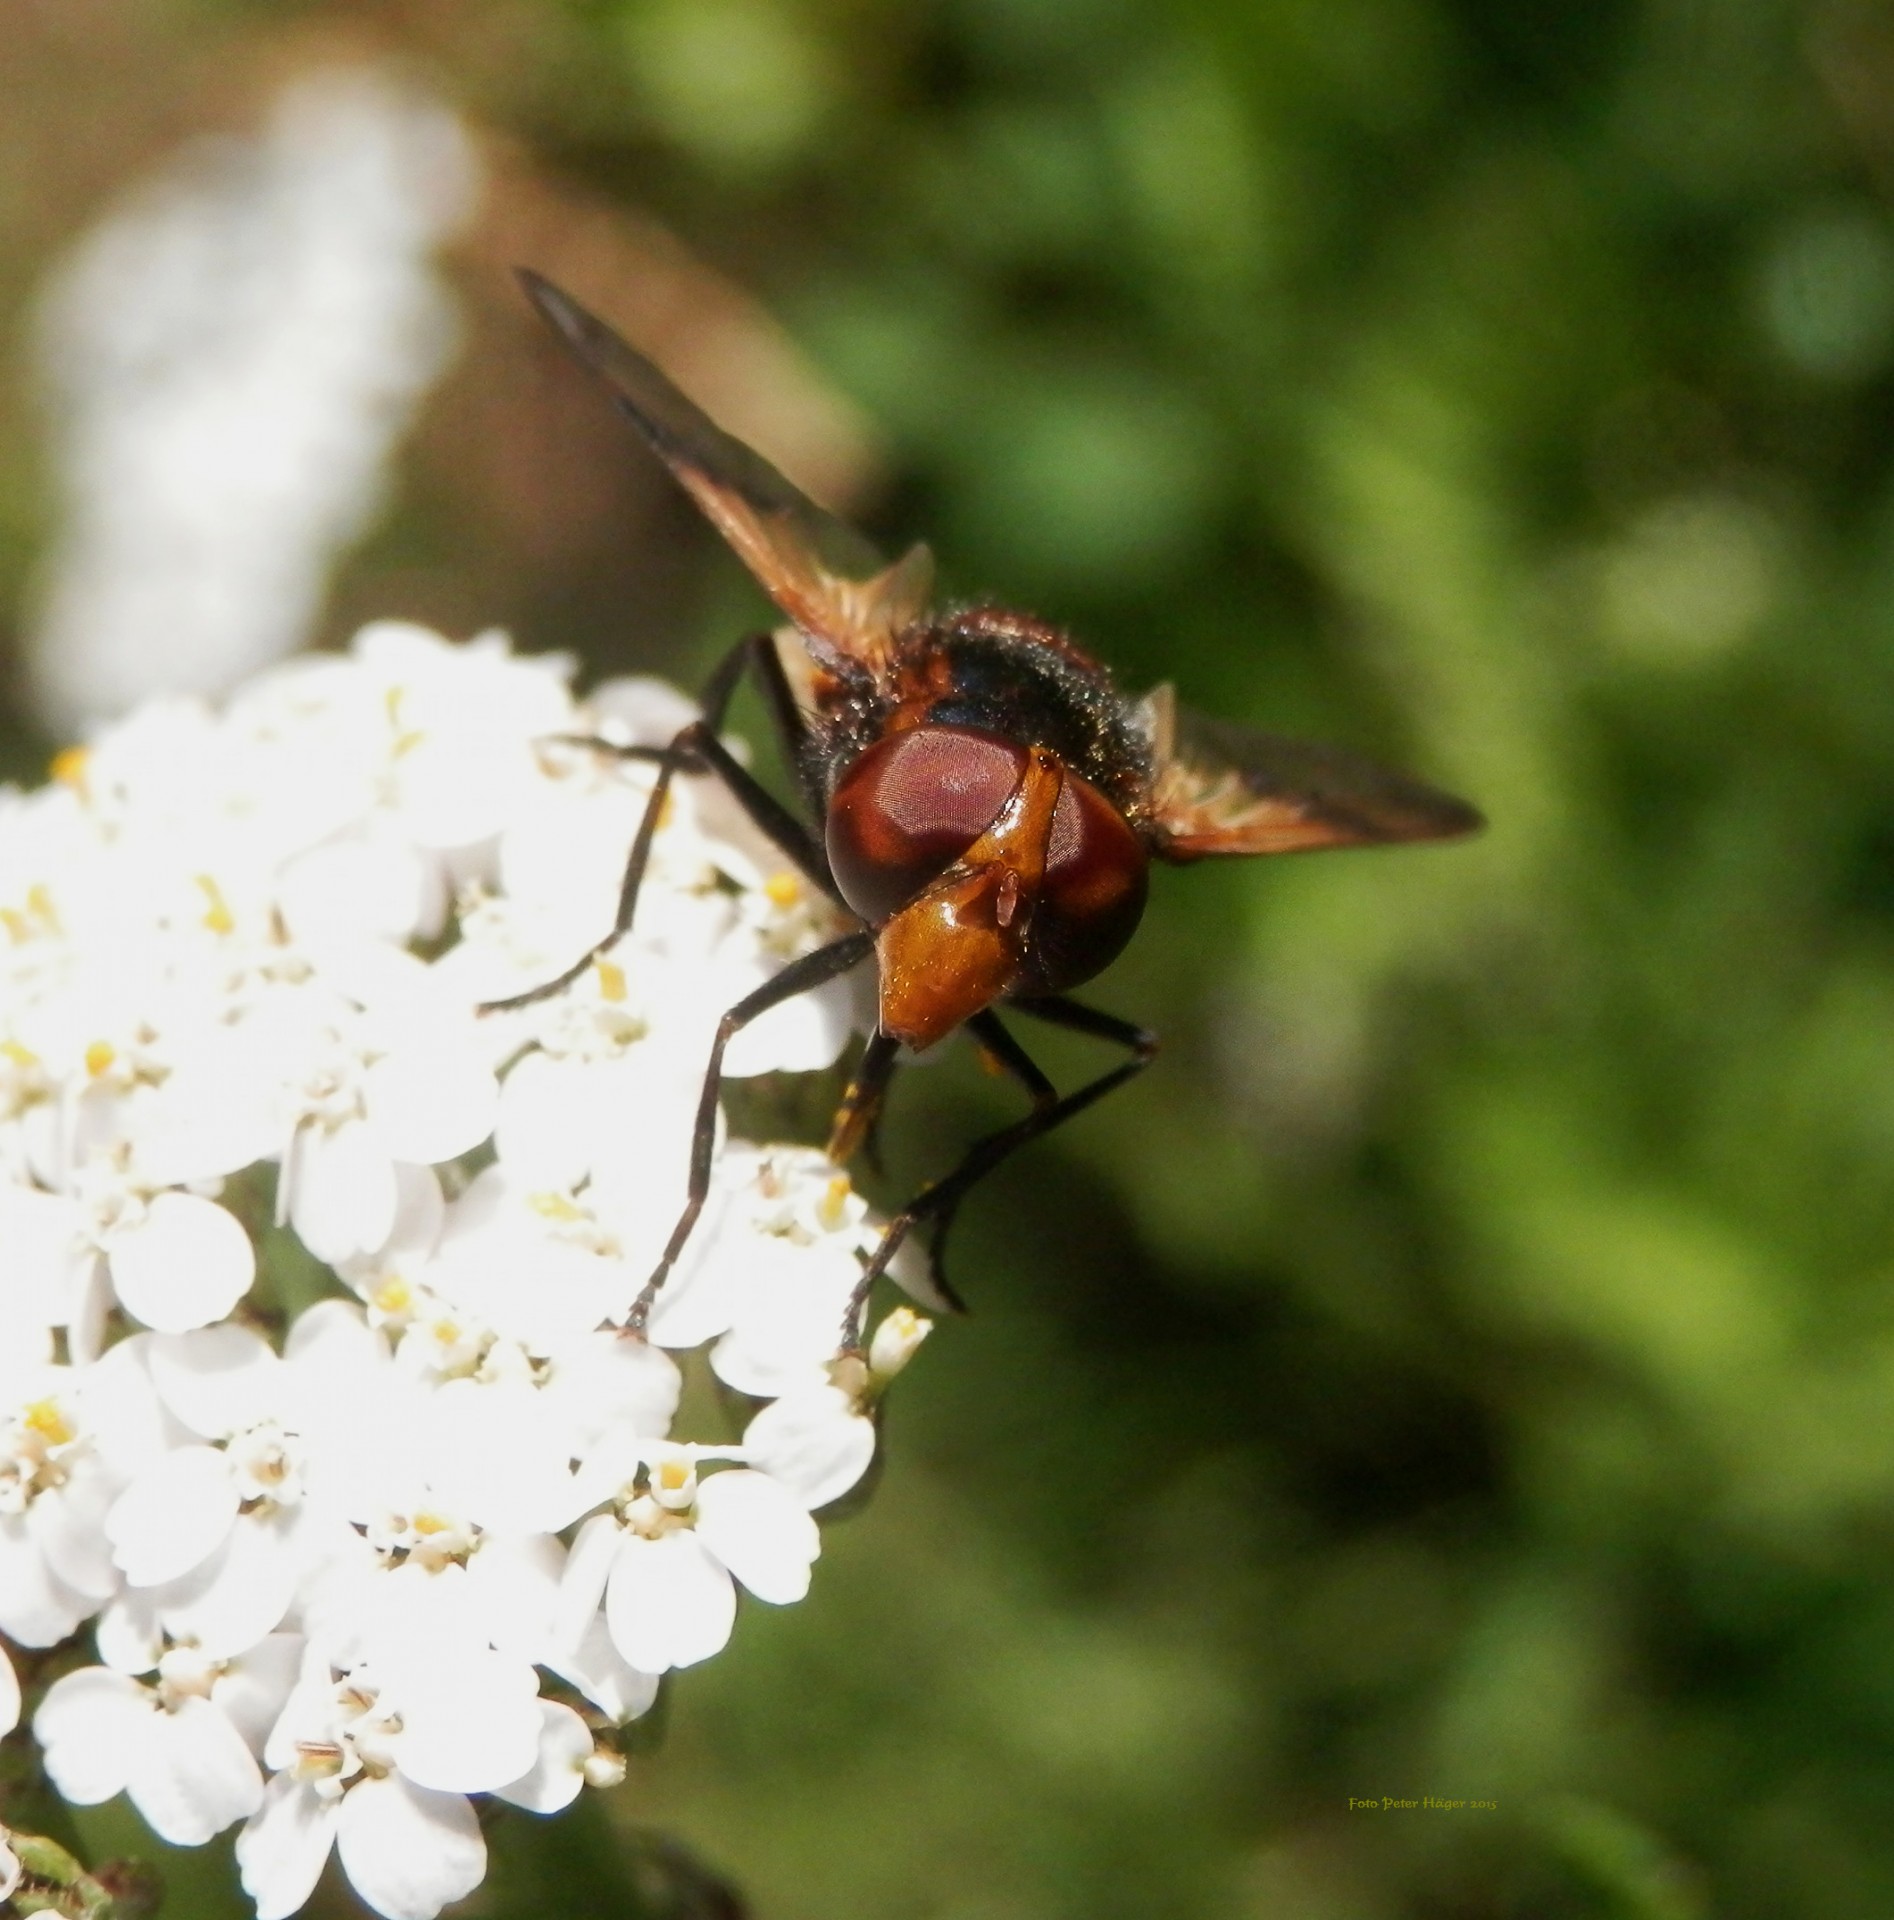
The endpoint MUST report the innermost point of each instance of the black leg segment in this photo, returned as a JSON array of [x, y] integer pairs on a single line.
[[937, 1204], [695, 749], [860, 1111], [800, 976]]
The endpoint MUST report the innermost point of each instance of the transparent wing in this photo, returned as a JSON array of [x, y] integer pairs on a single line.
[[818, 569], [1222, 789]]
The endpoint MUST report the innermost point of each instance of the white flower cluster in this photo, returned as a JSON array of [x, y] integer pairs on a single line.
[[315, 1398]]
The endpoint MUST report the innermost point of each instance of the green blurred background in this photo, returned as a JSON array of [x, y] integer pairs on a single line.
[[1465, 1365]]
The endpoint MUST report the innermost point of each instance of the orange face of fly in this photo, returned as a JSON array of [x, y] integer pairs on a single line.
[[958, 946], [990, 868]]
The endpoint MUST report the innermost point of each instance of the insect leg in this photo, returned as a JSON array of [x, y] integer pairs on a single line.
[[1005, 1054], [860, 1112], [695, 749], [938, 1203], [800, 976]]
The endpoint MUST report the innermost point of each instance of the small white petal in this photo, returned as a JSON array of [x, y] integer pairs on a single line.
[[816, 1442], [470, 1721], [669, 1602], [122, 1407], [802, 1035], [90, 1311], [430, 1103], [187, 1263], [251, 1690], [420, 1209], [236, 1595], [333, 1350], [89, 1727], [40, 1232], [760, 1531], [362, 884], [217, 1380], [192, 1776], [343, 1194], [9, 1695], [554, 1780], [69, 1531], [515, 1587], [408, 1851], [37, 1607], [582, 1586], [215, 1115], [605, 1380], [544, 1128], [173, 1517], [282, 1848], [501, 1455], [310, 1704], [600, 1672], [128, 1632]]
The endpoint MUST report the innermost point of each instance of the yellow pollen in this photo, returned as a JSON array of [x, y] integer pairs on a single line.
[[392, 1296], [447, 1332], [20, 1056], [783, 889], [407, 742], [391, 704], [217, 915], [44, 1418], [426, 1523], [69, 767], [554, 1206], [39, 903], [19, 929], [99, 1057], [673, 1474], [830, 1211], [611, 981]]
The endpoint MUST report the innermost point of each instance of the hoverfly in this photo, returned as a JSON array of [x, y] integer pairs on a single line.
[[987, 801]]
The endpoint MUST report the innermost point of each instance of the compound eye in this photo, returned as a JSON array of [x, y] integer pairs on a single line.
[[1093, 895], [911, 806]]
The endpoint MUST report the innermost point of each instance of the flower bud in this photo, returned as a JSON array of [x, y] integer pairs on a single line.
[[895, 1343]]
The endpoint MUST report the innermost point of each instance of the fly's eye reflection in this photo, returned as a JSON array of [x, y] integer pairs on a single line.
[[983, 800], [911, 805]]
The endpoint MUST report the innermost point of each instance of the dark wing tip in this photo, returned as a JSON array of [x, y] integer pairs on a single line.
[[558, 309], [822, 573], [697, 450], [1429, 814]]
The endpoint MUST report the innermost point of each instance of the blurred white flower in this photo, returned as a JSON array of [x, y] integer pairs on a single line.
[[231, 354], [336, 1550]]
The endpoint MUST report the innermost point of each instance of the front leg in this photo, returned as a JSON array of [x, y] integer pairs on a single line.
[[800, 976], [938, 1203], [695, 749]]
